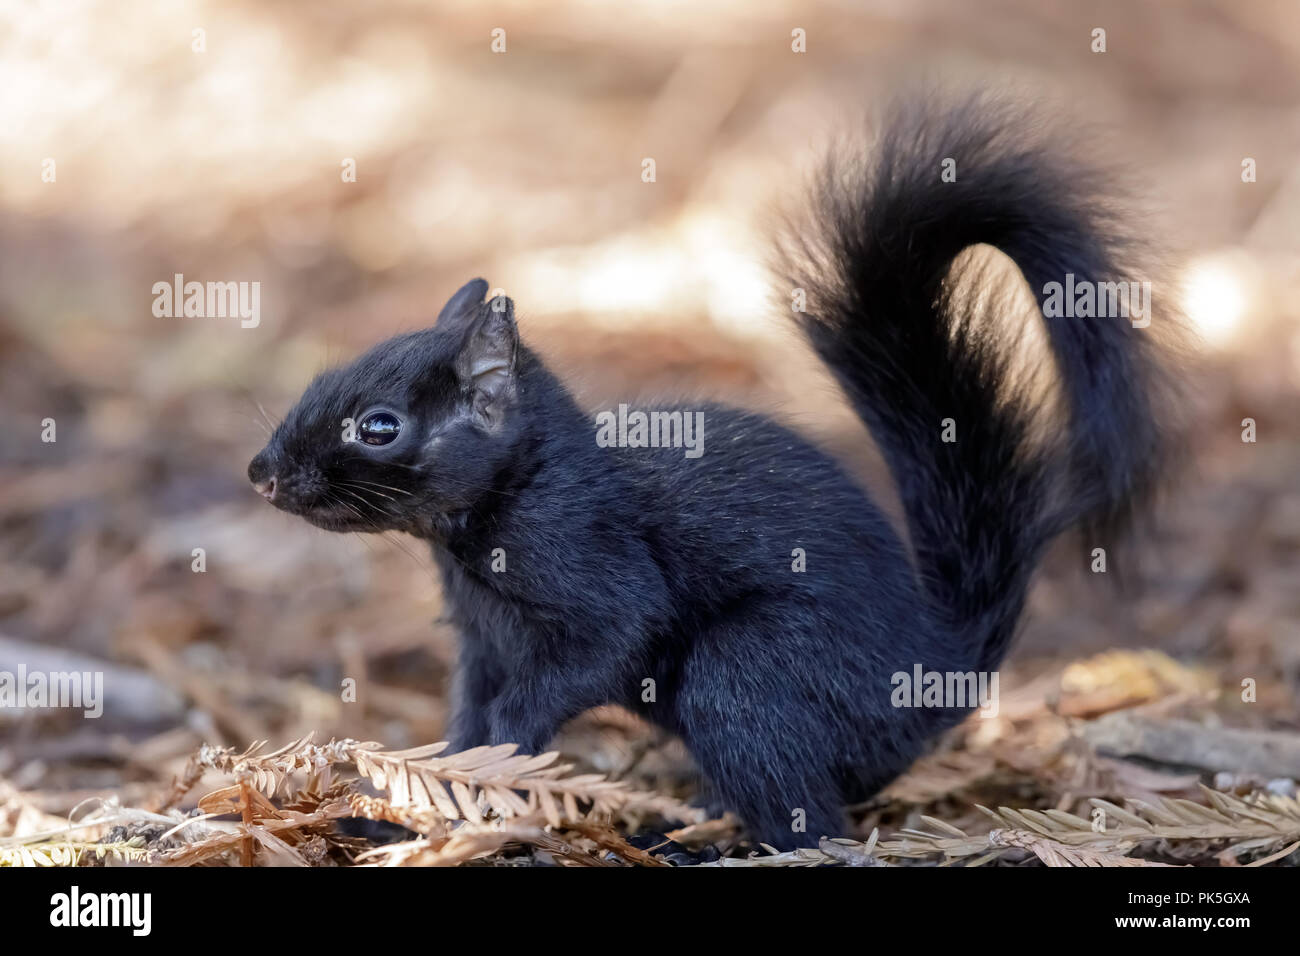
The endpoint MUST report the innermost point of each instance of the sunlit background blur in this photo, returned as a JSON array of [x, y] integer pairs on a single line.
[[224, 163]]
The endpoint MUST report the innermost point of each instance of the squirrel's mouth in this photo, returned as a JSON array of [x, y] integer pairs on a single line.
[[325, 514], [335, 518]]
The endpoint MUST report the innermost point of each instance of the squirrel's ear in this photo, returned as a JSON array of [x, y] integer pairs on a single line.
[[464, 303], [486, 361]]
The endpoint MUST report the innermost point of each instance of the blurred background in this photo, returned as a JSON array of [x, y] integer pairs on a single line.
[[221, 155]]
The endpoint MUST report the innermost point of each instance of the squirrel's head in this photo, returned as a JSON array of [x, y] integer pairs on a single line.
[[417, 426]]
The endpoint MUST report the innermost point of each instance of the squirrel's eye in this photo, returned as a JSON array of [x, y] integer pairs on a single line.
[[379, 428]]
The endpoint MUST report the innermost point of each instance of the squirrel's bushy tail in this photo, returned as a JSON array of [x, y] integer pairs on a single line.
[[883, 314]]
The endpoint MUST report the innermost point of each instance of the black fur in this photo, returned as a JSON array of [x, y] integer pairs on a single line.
[[623, 564]]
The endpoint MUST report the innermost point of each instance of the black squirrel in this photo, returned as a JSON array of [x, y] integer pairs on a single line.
[[579, 574]]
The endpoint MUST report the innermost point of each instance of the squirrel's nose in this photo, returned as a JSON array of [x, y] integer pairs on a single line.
[[266, 488], [261, 472]]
